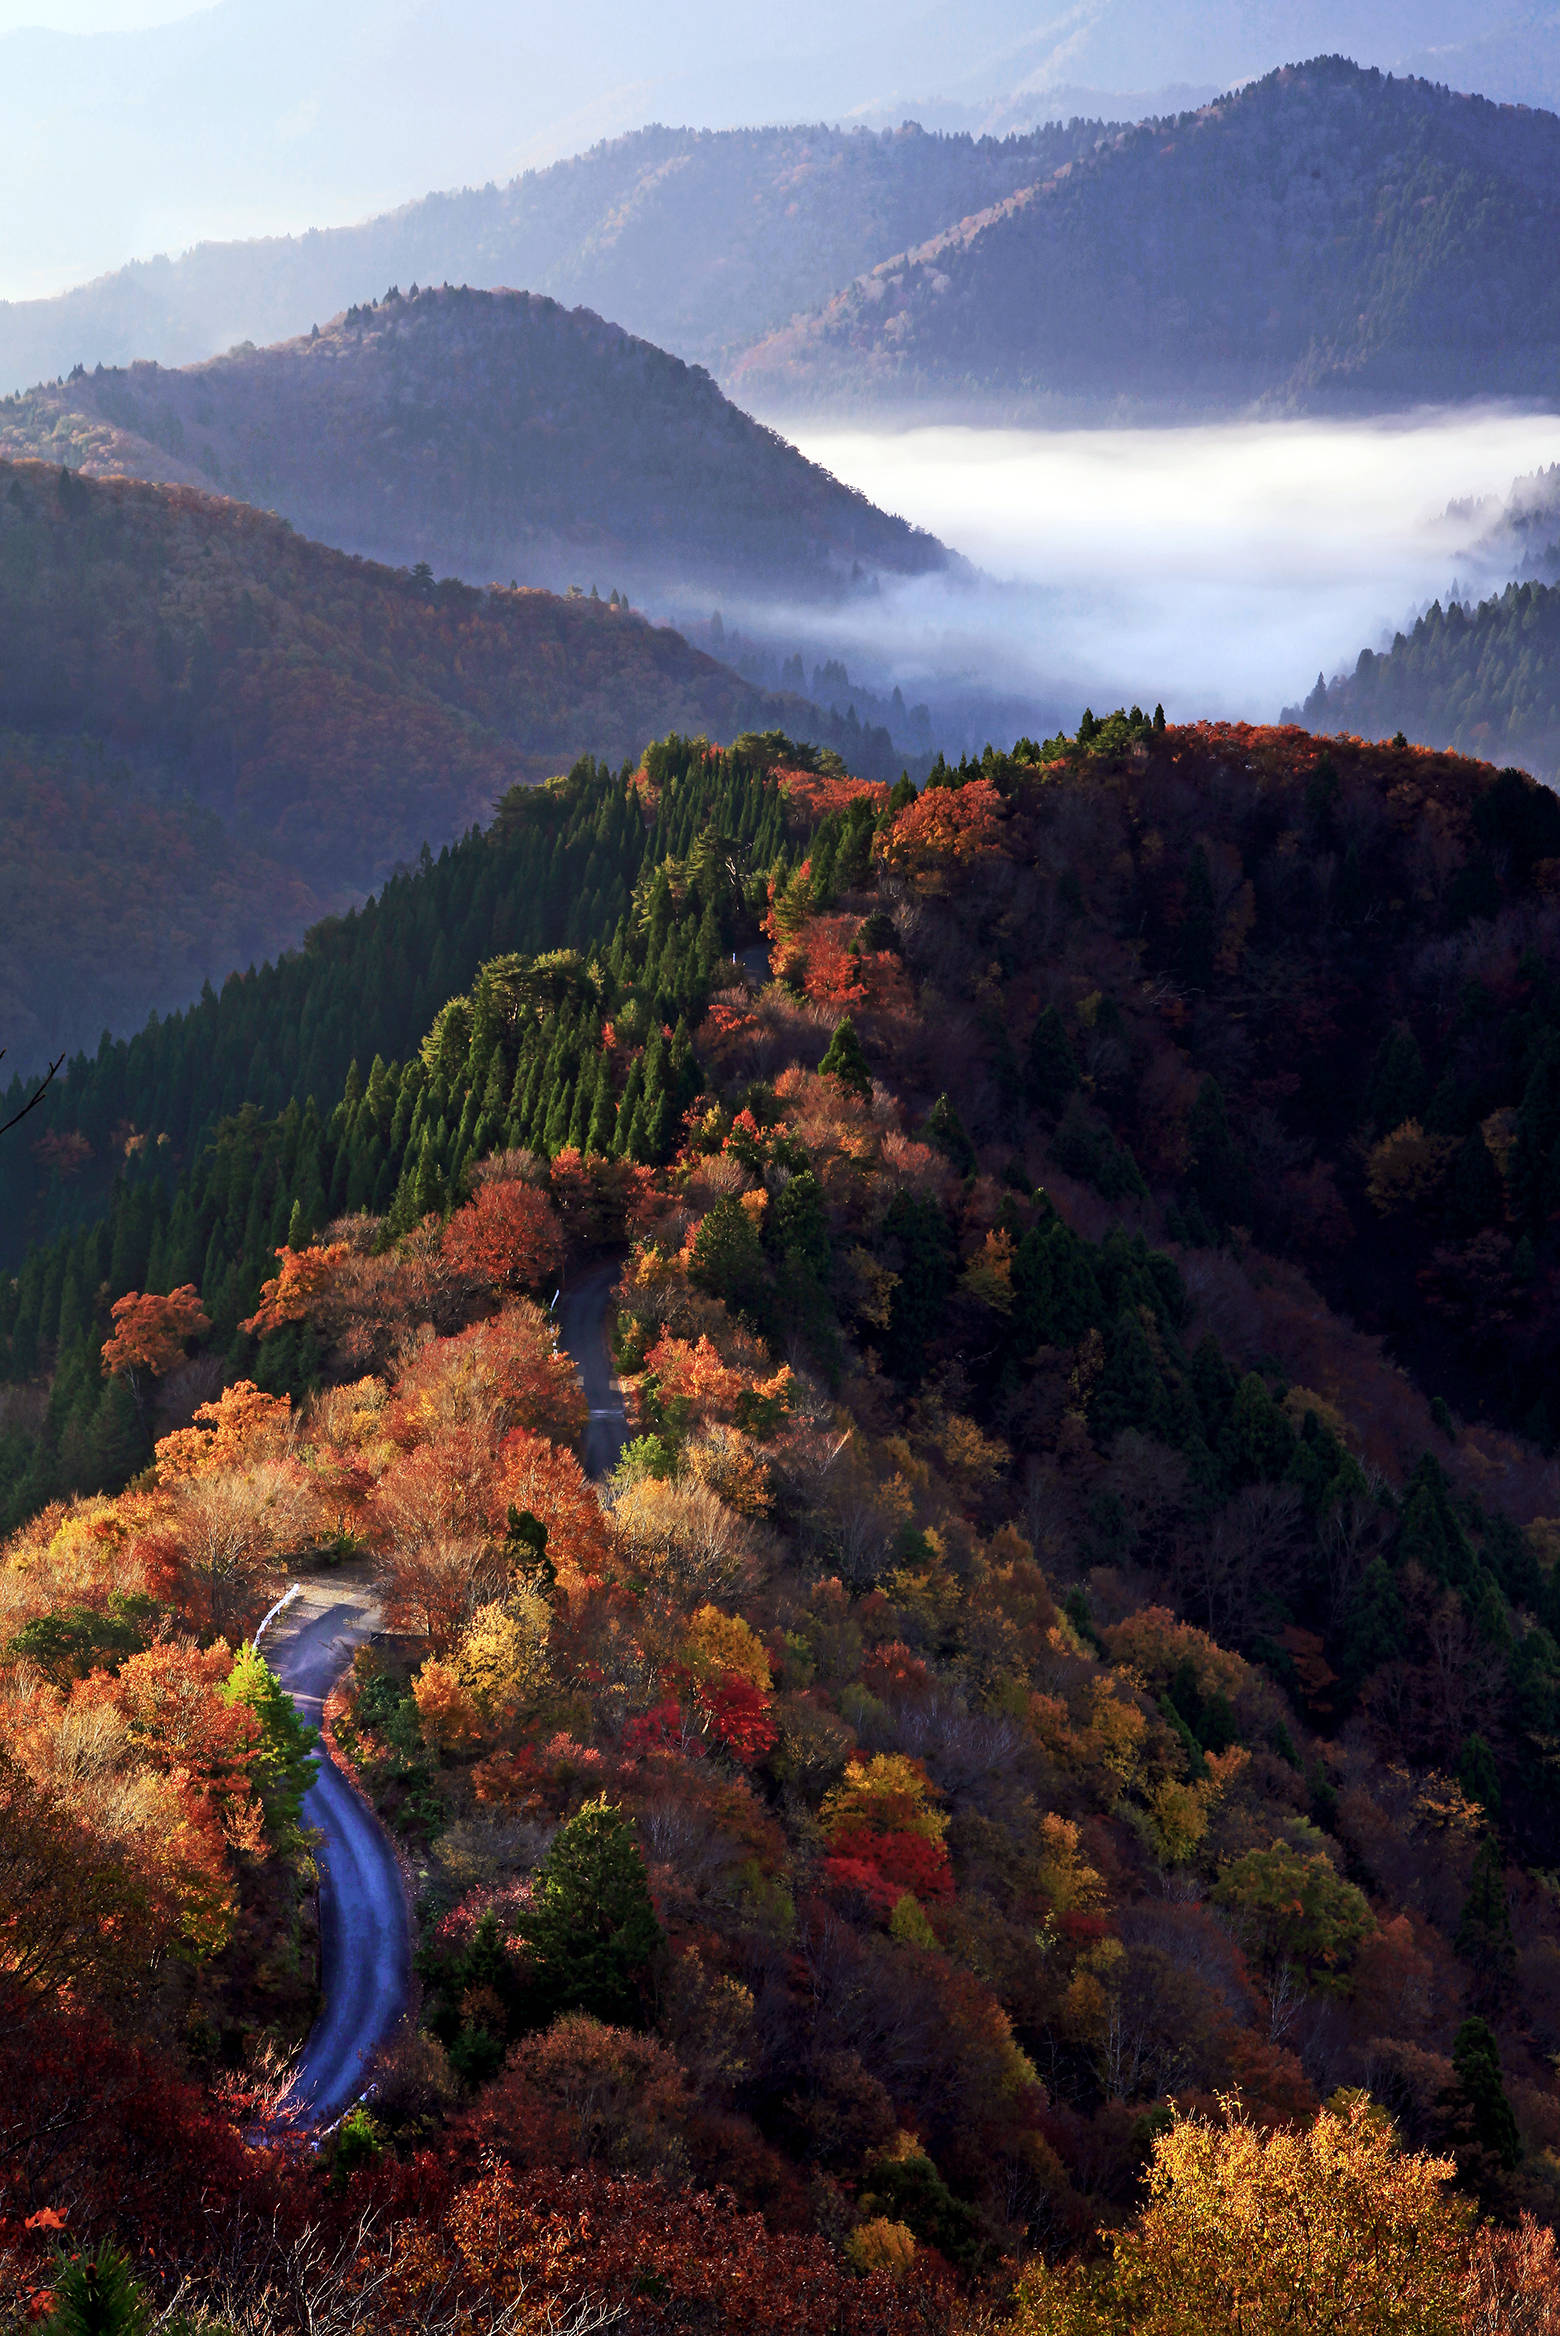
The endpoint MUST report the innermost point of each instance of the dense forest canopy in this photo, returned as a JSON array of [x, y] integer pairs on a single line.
[[1484, 680], [1074, 1630], [494, 434], [1325, 239], [212, 732]]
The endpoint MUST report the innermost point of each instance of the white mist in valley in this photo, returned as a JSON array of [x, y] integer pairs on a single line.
[[1216, 567]]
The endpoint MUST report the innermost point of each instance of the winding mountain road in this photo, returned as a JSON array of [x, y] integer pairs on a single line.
[[582, 1326], [365, 1930]]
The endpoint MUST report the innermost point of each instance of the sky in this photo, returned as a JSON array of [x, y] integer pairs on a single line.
[[89, 15], [1218, 568]]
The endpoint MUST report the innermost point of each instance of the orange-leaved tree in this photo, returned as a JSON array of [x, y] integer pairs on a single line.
[[303, 1280], [243, 1425], [507, 1238], [943, 824], [150, 1332]]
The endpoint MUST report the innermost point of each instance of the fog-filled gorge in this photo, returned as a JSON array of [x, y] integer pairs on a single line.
[[1218, 567]]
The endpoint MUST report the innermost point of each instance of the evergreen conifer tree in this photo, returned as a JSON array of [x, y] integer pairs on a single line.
[[1218, 1174], [728, 1259], [1485, 2108], [591, 1927], [1051, 1072], [97, 2295], [1484, 1933], [948, 1132], [845, 1059], [1398, 1086], [1195, 937]]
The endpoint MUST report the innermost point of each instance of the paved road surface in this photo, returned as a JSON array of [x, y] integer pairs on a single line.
[[365, 1936], [582, 1326]]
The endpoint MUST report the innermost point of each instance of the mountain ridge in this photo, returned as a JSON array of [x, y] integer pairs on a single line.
[[493, 433], [699, 240], [1326, 239], [1475, 678]]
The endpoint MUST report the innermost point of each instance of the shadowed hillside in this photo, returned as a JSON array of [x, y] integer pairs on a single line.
[[493, 433], [212, 731], [1326, 239]]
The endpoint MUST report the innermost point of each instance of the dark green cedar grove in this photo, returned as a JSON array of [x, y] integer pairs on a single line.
[[234, 1163]]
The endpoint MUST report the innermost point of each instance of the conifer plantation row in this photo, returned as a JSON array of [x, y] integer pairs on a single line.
[[218, 1089]]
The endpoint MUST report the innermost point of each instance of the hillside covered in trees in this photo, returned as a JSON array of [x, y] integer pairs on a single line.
[[1072, 1637], [1521, 537], [490, 433], [1327, 239], [700, 240], [1483, 680], [213, 732]]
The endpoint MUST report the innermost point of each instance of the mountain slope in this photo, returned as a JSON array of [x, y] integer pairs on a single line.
[[1324, 239], [1482, 680], [493, 433], [700, 240], [213, 731], [1036, 1661]]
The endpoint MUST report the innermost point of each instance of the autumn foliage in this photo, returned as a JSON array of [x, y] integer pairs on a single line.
[[943, 826], [150, 1332], [507, 1238], [1018, 1785]]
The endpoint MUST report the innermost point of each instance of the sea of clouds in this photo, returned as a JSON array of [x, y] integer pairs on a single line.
[[1217, 568]]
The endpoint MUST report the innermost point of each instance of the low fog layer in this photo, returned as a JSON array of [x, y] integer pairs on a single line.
[[1218, 568]]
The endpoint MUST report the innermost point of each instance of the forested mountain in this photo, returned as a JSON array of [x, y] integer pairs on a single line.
[[701, 240], [1040, 1667], [213, 731], [492, 433], [1484, 680], [1522, 533], [1326, 239]]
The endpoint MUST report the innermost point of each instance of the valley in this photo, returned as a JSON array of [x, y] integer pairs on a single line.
[[779, 1251]]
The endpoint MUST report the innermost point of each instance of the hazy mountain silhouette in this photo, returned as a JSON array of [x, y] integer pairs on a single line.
[[493, 434], [1480, 679], [702, 241], [264, 116], [1328, 238]]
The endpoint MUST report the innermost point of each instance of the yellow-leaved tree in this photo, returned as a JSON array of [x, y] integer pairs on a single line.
[[1333, 2230]]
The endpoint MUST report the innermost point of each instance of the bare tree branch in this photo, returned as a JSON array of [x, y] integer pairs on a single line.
[[36, 1097]]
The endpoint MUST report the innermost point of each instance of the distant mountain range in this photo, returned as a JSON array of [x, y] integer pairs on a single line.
[[1325, 239], [493, 434], [1328, 237], [213, 731], [264, 116], [701, 241]]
